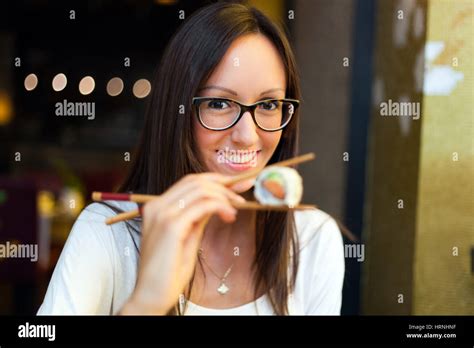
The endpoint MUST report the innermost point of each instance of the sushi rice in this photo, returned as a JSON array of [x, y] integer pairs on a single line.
[[279, 186]]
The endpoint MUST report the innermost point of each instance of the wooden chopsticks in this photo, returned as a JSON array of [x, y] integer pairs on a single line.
[[143, 198]]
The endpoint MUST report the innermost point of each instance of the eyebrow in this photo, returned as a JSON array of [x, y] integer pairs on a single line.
[[235, 93]]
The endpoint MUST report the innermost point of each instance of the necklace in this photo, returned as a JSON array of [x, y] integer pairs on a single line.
[[223, 288]]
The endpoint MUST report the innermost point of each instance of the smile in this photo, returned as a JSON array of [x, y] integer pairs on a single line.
[[245, 158]]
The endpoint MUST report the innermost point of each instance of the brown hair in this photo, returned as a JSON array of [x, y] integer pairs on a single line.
[[167, 150]]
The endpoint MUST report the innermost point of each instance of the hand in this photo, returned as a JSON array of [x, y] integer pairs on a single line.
[[173, 226]]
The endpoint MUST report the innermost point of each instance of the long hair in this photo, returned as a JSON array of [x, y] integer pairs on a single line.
[[167, 149]]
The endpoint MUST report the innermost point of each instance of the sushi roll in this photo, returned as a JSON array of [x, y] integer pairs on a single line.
[[279, 186]]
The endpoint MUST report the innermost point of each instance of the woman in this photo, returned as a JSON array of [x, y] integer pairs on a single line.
[[197, 254]]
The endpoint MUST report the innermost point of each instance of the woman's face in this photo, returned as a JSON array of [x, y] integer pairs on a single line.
[[251, 70]]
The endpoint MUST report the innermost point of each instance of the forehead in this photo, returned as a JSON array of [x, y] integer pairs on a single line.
[[251, 65]]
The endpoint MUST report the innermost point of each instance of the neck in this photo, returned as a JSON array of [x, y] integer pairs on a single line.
[[223, 237]]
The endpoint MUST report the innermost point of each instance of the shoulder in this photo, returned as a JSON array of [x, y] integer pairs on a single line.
[[99, 212], [91, 234], [93, 217], [83, 281]]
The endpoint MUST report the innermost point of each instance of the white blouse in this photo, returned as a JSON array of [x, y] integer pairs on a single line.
[[97, 269]]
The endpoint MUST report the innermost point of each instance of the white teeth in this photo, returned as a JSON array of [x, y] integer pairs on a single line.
[[242, 158], [236, 156]]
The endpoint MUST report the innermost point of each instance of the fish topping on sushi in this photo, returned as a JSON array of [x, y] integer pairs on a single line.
[[279, 186], [275, 185]]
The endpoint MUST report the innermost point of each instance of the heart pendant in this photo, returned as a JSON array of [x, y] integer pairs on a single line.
[[223, 289]]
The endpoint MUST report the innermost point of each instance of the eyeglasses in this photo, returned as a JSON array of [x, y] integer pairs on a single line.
[[219, 114]]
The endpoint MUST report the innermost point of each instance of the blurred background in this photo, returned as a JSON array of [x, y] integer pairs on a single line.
[[402, 182]]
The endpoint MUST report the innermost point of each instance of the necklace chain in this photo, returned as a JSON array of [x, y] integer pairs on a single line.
[[223, 288]]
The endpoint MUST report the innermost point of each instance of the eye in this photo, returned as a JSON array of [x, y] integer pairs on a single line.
[[218, 104], [268, 105]]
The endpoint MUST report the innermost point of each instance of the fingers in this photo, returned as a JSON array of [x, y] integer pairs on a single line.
[[187, 193], [205, 190], [180, 225], [192, 187], [166, 211], [177, 188]]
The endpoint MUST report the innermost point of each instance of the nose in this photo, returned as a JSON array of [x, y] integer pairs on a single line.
[[245, 131]]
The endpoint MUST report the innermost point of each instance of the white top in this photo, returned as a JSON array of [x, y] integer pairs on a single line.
[[97, 269]]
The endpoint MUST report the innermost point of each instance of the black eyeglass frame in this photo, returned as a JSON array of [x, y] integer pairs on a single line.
[[196, 101]]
